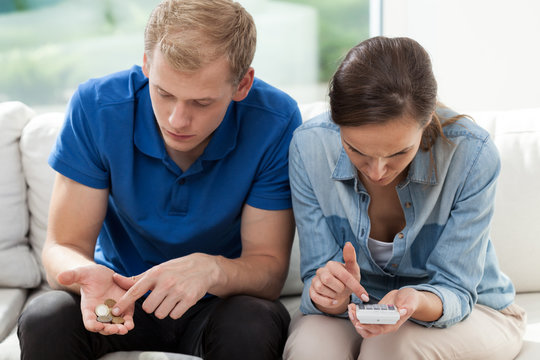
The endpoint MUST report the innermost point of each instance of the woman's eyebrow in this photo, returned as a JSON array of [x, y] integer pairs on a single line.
[[361, 153]]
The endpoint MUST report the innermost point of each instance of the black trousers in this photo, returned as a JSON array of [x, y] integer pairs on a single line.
[[239, 327]]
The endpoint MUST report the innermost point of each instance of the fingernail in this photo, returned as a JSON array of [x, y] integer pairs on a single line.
[[402, 311], [359, 327], [364, 298], [334, 302], [115, 311]]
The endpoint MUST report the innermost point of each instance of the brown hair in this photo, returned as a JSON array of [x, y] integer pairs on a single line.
[[193, 33], [383, 78]]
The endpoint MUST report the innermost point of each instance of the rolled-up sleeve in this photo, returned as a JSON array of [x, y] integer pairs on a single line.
[[456, 265]]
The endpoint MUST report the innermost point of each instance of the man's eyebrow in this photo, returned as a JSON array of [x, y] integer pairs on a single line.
[[201, 99], [205, 99], [361, 153]]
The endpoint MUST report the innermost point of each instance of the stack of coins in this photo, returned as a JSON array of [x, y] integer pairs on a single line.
[[104, 315]]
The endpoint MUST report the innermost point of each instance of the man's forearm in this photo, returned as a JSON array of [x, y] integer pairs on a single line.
[[258, 275], [59, 258]]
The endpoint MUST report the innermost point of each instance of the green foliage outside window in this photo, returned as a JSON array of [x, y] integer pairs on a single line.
[[42, 62], [342, 25]]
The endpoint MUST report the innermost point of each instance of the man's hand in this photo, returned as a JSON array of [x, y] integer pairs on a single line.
[[96, 285], [175, 286], [406, 300], [334, 283]]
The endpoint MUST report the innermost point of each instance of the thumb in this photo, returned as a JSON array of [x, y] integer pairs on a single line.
[[69, 277], [349, 256]]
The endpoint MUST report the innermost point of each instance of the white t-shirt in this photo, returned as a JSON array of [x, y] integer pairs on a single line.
[[380, 251]]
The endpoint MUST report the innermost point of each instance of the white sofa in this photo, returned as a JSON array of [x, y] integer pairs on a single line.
[[26, 182]]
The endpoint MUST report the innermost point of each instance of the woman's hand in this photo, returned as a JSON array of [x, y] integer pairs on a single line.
[[333, 284], [406, 300]]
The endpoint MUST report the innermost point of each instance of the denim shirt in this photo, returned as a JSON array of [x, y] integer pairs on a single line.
[[445, 246]]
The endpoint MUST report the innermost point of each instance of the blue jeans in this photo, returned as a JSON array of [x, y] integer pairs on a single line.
[[239, 327]]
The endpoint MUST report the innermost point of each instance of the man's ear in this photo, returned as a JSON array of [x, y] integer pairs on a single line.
[[145, 65], [244, 85]]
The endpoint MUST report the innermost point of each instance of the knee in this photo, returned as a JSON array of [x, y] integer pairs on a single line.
[[397, 345], [314, 337], [251, 315], [248, 328], [48, 312]]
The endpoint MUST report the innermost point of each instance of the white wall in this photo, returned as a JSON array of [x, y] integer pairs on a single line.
[[485, 53]]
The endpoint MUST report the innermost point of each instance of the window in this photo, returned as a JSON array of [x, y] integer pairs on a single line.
[[48, 47]]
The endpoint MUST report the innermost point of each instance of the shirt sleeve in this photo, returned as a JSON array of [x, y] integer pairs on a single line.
[[457, 262], [75, 153], [317, 242], [271, 189]]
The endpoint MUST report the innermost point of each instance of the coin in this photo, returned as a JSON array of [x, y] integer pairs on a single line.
[[117, 320], [110, 303], [102, 310], [105, 319], [104, 315]]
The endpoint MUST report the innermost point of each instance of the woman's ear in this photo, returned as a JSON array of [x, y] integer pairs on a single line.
[[244, 85]]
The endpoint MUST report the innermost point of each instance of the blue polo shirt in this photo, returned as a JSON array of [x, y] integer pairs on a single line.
[[157, 212]]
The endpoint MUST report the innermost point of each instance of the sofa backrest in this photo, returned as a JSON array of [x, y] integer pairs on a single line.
[[27, 139], [516, 221], [14, 217]]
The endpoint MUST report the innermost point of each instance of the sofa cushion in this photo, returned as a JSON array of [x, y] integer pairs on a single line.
[[515, 222], [531, 341], [9, 347], [293, 284], [15, 253], [11, 303], [37, 139]]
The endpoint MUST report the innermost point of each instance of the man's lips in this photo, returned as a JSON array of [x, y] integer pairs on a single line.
[[179, 136]]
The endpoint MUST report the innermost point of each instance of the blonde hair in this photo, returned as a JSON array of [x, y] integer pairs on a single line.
[[193, 33]]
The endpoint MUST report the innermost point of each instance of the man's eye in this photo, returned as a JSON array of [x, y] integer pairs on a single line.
[[163, 93], [201, 104]]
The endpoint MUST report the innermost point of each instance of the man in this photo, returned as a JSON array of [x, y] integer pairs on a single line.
[[172, 199]]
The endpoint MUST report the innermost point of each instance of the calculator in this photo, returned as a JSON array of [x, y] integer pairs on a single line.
[[377, 313]]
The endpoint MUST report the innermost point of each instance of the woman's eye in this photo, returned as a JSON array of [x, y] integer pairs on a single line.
[[399, 154]]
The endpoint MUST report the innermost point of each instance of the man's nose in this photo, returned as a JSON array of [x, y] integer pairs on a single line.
[[180, 116]]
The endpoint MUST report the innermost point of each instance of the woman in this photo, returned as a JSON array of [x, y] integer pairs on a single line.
[[393, 197]]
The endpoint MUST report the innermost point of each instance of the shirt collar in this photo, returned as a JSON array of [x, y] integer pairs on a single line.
[[224, 138], [422, 168], [147, 137], [344, 169]]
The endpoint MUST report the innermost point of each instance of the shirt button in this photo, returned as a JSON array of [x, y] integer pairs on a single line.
[[394, 265], [182, 181], [407, 204], [400, 235]]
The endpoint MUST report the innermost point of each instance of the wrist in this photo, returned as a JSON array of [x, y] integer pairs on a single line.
[[217, 274]]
